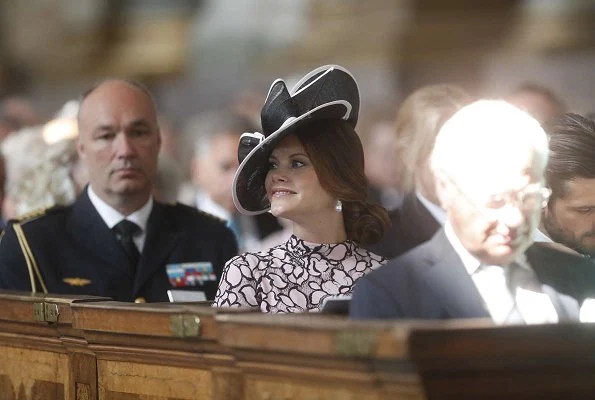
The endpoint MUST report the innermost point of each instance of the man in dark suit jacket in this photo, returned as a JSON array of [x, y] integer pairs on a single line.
[[78, 250], [492, 192], [419, 119], [411, 225], [431, 282]]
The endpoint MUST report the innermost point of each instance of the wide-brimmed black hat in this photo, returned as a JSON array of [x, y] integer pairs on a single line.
[[328, 92]]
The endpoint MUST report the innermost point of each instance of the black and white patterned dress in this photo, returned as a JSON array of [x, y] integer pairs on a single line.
[[295, 276]]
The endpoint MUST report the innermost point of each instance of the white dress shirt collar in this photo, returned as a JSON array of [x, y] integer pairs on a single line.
[[469, 261], [540, 236], [437, 212], [112, 216]]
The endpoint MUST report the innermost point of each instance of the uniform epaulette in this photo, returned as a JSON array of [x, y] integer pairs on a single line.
[[211, 216], [195, 210], [35, 214]]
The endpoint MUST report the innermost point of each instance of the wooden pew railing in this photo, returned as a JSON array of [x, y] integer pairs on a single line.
[[80, 348]]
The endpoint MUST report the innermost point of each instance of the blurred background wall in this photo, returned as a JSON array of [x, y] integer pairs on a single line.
[[202, 54]]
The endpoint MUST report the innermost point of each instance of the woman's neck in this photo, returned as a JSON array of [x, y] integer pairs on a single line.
[[321, 230]]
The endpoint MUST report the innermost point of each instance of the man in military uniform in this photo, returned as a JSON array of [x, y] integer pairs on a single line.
[[116, 240]]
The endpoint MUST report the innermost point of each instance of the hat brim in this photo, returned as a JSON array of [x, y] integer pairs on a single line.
[[248, 189]]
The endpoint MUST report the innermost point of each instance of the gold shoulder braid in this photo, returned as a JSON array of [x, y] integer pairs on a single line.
[[211, 216], [29, 259], [31, 215]]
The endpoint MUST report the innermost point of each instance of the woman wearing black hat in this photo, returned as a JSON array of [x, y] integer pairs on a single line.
[[307, 167]]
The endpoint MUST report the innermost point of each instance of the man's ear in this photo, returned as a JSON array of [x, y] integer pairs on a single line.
[[80, 148], [195, 170], [444, 189], [159, 139], [545, 211]]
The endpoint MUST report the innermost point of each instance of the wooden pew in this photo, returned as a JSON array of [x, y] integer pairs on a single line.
[[158, 351], [98, 349], [314, 356], [41, 355], [508, 362]]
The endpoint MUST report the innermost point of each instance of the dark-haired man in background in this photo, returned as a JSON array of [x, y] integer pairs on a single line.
[[569, 218], [568, 221]]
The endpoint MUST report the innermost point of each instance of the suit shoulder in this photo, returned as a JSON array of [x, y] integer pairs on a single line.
[[38, 214], [402, 265], [185, 211], [544, 252], [385, 273]]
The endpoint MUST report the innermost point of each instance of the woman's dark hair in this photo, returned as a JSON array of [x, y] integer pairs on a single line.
[[572, 149], [338, 158]]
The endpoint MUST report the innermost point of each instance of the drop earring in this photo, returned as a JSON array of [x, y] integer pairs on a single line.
[[339, 206]]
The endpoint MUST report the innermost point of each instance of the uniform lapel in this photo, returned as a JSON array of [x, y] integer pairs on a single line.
[[90, 231], [162, 235], [449, 281]]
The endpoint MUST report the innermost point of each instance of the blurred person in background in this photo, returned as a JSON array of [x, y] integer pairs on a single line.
[[248, 103], [307, 167], [7, 126], [29, 142], [169, 137], [16, 113], [168, 180], [2, 189], [170, 172], [213, 167], [539, 101], [52, 181], [418, 121], [57, 176], [382, 171]]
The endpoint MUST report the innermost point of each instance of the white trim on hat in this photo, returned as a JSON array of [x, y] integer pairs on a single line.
[[294, 90], [272, 85]]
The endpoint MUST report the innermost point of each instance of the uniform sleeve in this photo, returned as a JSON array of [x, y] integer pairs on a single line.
[[237, 287], [14, 274]]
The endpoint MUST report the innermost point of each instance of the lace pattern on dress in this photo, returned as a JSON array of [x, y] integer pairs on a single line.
[[294, 277]]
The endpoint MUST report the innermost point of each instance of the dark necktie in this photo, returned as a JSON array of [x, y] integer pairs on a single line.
[[125, 231]]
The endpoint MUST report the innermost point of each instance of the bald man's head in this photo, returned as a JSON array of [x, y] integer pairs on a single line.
[[119, 141]]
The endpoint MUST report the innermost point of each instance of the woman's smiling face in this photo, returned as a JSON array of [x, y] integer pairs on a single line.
[[292, 185]]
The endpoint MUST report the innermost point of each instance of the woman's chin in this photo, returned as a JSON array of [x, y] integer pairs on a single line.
[[278, 211]]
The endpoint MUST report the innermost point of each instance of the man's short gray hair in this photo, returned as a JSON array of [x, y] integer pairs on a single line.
[[482, 135]]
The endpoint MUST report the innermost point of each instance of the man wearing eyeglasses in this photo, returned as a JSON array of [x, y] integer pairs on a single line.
[[488, 161]]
